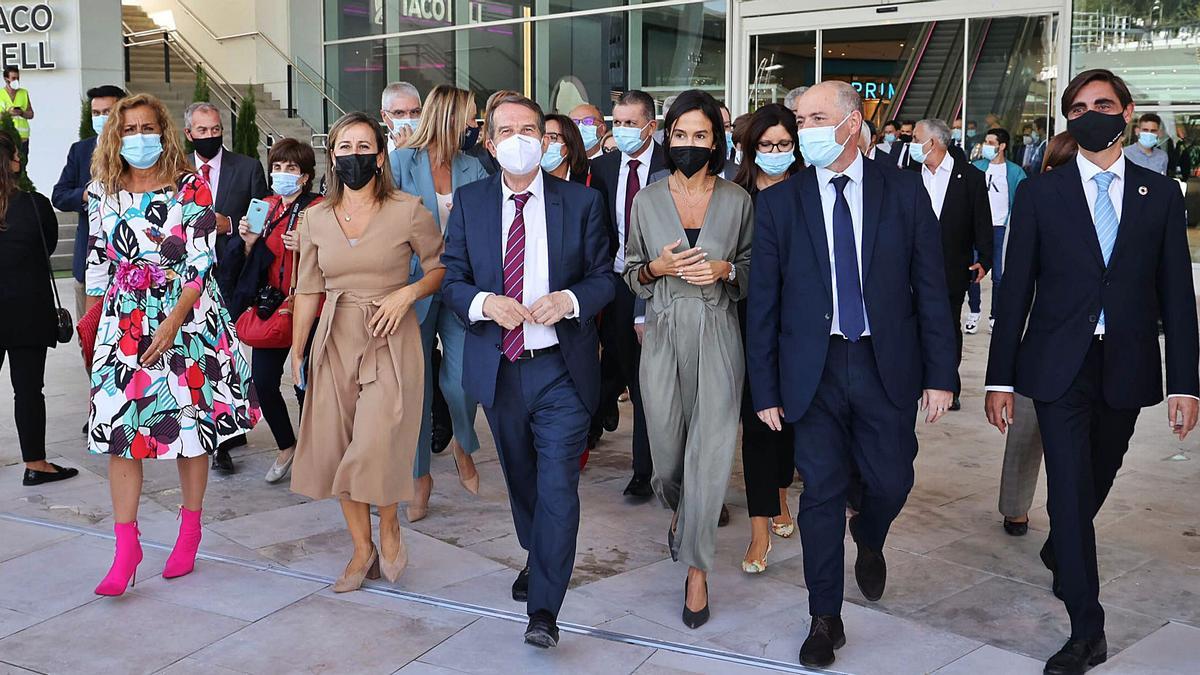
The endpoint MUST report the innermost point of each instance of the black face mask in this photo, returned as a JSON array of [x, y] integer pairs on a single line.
[[207, 147], [689, 159], [906, 138], [1095, 131], [355, 171], [469, 138]]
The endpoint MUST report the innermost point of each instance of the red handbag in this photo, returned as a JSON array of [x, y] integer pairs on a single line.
[[275, 331], [87, 327]]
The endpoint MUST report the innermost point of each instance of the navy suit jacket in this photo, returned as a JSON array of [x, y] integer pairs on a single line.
[[1039, 343], [68, 197], [606, 172], [790, 308], [579, 261]]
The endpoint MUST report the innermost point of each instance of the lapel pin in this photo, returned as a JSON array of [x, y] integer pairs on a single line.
[[1143, 191]]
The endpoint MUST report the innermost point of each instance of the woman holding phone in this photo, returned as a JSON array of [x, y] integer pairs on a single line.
[[260, 267]]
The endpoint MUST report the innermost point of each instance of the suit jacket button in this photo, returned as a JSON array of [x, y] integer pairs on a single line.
[[828, 317], [1092, 318]]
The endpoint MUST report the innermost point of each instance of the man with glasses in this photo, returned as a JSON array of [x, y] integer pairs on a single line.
[[591, 127], [401, 112]]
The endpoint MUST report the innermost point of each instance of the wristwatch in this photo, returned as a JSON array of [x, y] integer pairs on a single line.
[[732, 272]]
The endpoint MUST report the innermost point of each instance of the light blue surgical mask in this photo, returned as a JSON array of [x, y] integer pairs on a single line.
[[889, 138], [971, 133], [411, 123], [98, 123], [628, 139], [1035, 136], [1147, 139], [956, 134], [989, 152], [590, 135], [285, 184], [819, 145], [552, 158], [728, 142], [917, 152], [141, 150], [774, 163]]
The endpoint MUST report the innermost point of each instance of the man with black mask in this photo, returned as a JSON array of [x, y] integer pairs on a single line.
[[233, 180], [1103, 242]]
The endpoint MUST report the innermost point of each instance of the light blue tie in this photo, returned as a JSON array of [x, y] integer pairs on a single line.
[[1105, 219]]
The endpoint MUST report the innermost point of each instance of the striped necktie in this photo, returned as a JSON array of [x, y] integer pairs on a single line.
[[1104, 217], [513, 343]]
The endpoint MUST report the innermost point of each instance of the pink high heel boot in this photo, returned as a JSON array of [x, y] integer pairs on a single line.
[[183, 556], [123, 572]]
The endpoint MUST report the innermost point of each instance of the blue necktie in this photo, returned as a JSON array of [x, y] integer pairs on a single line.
[[851, 317], [1104, 217]]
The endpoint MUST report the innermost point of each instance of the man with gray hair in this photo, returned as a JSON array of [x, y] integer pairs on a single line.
[[958, 192], [853, 244], [234, 180], [400, 108], [792, 97]]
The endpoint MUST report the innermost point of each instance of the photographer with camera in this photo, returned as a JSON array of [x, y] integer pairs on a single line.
[[260, 267]]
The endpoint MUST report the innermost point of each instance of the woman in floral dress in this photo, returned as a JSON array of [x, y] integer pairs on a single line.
[[168, 377]]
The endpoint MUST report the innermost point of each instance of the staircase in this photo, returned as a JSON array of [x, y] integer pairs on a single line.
[[63, 255]]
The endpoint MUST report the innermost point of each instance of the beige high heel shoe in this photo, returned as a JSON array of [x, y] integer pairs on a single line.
[[418, 508], [469, 484], [392, 569], [352, 581]]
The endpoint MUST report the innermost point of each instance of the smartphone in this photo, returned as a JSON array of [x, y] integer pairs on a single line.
[[256, 215]]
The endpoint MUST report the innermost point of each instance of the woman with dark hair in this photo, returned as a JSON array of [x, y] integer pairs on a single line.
[[260, 267], [770, 155], [565, 156], [1059, 150], [358, 431], [28, 235], [688, 256]]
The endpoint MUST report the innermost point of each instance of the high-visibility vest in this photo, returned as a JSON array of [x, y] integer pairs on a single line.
[[20, 100]]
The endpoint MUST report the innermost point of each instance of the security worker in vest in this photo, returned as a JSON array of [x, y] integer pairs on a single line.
[[15, 101]]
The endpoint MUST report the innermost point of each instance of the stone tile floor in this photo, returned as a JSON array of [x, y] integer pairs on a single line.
[[962, 597]]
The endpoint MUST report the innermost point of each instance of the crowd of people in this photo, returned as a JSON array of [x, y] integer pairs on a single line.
[[793, 273]]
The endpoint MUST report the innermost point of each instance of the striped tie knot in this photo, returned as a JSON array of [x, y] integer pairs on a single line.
[[521, 199], [1104, 179]]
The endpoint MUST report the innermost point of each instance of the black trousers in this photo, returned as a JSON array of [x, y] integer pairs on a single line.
[[768, 457], [1084, 441], [618, 338], [957, 293], [266, 370], [27, 370]]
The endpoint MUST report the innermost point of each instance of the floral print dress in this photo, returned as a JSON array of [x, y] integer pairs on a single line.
[[144, 250]]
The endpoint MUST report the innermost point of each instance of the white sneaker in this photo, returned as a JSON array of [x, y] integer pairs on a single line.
[[991, 324], [972, 323]]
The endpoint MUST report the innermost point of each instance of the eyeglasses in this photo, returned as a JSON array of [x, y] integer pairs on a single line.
[[589, 121], [781, 146], [553, 137]]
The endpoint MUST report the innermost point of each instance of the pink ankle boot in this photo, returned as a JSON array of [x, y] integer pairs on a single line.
[[183, 556], [123, 572]]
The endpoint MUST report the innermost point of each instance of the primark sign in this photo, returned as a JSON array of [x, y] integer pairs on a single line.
[[25, 36]]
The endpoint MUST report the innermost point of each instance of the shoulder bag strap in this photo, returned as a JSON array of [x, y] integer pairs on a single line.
[[37, 216]]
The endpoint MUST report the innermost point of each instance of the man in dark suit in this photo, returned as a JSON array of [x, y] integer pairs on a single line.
[[958, 193], [527, 268], [1097, 257], [849, 330], [899, 152], [234, 180], [70, 192], [619, 176]]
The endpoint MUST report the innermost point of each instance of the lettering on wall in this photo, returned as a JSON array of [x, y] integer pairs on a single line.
[[441, 11], [874, 91], [26, 39]]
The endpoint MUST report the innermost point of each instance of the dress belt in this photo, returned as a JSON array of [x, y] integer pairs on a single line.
[[365, 301]]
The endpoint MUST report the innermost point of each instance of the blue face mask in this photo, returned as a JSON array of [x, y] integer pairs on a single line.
[[98, 123], [141, 150], [1035, 136], [889, 138], [590, 139], [917, 152], [628, 139], [956, 134], [971, 133], [774, 163], [285, 184], [412, 123], [819, 145], [989, 152], [1147, 139], [552, 158], [728, 142]]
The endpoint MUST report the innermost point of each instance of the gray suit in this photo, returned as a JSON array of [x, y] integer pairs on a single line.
[[1022, 460]]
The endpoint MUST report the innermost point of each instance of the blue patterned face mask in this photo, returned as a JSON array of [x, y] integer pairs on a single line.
[[285, 184], [141, 150]]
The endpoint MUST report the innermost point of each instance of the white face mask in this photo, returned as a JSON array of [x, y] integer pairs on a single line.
[[15, 84], [519, 155]]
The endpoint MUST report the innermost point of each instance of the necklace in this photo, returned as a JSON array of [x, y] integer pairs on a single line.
[[348, 216], [688, 200]]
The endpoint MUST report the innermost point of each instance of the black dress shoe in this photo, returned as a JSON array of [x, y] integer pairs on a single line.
[[611, 419], [520, 587], [723, 519], [955, 404], [824, 636], [639, 486], [222, 461], [1051, 563], [32, 478], [870, 569], [692, 619], [593, 438], [542, 630], [1015, 529], [442, 436], [1077, 656]]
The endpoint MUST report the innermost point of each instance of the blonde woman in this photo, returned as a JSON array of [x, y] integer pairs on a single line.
[[362, 412], [432, 166], [168, 378]]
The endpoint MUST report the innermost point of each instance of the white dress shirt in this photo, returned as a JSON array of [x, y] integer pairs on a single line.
[[938, 181], [854, 197], [537, 261], [214, 173], [622, 179]]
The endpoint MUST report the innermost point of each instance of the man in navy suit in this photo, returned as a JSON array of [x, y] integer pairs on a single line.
[[528, 269], [849, 330], [70, 193], [1097, 257]]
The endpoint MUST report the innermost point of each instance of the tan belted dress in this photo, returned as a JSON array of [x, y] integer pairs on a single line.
[[362, 412]]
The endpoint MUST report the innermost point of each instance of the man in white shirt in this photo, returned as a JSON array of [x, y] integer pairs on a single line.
[[401, 112]]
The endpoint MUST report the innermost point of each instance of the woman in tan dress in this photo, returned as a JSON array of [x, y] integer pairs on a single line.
[[358, 432]]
